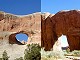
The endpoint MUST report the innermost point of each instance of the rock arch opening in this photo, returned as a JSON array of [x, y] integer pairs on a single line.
[[22, 37], [61, 43], [19, 38], [64, 42]]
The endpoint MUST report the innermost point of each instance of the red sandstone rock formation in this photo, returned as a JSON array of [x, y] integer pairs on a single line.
[[28, 24], [64, 22], [44, 28]]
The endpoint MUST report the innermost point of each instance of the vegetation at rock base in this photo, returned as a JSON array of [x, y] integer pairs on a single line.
[[35, 52], [5, 56], [51, 55], [32, 52], [73, 53], [67, 50], [56, 55]]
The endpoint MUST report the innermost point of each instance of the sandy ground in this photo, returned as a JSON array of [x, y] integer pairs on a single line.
[[13, 51]]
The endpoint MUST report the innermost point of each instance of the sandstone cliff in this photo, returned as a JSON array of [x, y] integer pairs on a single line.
[[28, 24], [43, 27], [10, 25]]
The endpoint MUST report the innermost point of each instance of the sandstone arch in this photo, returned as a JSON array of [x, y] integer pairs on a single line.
[[63, 22], [11, 24], [28, 24], [13, 40]]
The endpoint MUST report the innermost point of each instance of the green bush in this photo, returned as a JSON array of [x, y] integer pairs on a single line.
[[0, 58], [68, 50], [5, 56], [32, 52]]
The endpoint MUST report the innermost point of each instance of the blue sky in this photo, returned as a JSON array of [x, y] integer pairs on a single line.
[[54, 6], [20, 7], [21, 37]]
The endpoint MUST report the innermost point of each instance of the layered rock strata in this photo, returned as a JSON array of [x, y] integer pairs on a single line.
[[11, 25], [28, 24]]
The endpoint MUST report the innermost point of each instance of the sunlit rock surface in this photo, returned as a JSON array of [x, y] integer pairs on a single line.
[[10, 25], [63, 22], [57, 46], [28, 24], [42, 28]]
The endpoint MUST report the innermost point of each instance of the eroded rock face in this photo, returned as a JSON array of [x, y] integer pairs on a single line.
[[64, 22], [48, 36], [30, 24], [44, 28], [10, 25]]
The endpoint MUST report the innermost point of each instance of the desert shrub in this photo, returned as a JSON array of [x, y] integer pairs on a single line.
[[0, 58], [5, 56], [73, 53], [32, 52], [51, 55], [67, 50], [76, 53], [21, 58]]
